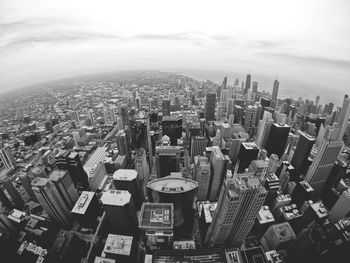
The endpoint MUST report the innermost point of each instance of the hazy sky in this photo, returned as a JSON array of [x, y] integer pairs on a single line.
[[303, 41]]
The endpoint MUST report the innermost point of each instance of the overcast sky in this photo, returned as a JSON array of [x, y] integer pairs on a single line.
[[303, 40]]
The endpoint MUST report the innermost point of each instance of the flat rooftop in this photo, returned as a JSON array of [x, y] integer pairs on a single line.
[[115, 197], [83, 202], [172, 185], [118, 244], [125, 175], [158, 216], [265, 216], [98, 156]]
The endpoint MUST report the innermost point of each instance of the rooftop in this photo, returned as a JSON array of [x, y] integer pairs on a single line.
[[172, 185], [118, 244], [125, 174], [265, 216], [283, 231], [115, 197], [320, 209], [98, 156], [83, 202], [158, 216]]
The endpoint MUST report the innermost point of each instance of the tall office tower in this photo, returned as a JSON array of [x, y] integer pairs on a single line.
[[138, 102], [274, 94], [276, 142], [247, 84], [105, 116], [317, 101], [123, 143], [64, 185], [128, 180], [120, 123], [7, 158], [240, 200], [52, 201], [324, 160], [172, 127], [167, 159], [27, 184], [273, 163], [265, 102], [341, 208], [330, 108], [12, 191], [344, 116], [264, 129], [218, 163], [202, 176], [238, 112], [230, 105], [302, 152], [74, 116], [198, 145], [250, 119], [248, 152], [124, 112], [143, 137], [166, 107], [224, 83], [91, 116], [76, 171], [6, 202], [142, 168], [120, 210], [209, 110], [255, 87]]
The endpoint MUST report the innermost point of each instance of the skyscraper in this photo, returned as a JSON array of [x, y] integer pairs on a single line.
[[250, 120], [202, 176], [317, 101], [344, 116], [172, 127], [326, 155], [198, 144], [240, 200], [247, 84], [210, 106], [6, 202], [264, 129], [341, 208], [7, 158], [248, 152], [218, 163], [123, 143], [16, 197], [276, 142], [27, 184], [166, 107], [52, 201], [302, 151], [274, 94], [142, 168]]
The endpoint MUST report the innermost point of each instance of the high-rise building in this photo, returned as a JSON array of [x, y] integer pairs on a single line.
[[240, 200], [210, 106], [7, 158], [12, 191], [166, 107], [123, 143], [198, 144], [317, 101], [27, 184], [142, 168], [52, 201], [6, 202], [344, 116], [302, 152], [264, 129], [277, 236], [172, 127], [276, 142], [64, 185], [247, 84], [120, 210], [202, 176], [250, 120], [326, 155], [128, 180], [143, 136], [248, 152], [341, 208], [167, 159], [274, 94], [218, 163]]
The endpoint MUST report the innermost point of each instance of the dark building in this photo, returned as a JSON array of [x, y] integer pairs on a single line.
[[210, 106], [166, 107], [172, 127], [248, 152], [265, 102], [301, 153], [247, 84], [276, 142], [275, 93]]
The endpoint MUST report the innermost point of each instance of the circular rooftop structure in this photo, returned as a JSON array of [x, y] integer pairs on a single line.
[[172, 185]]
